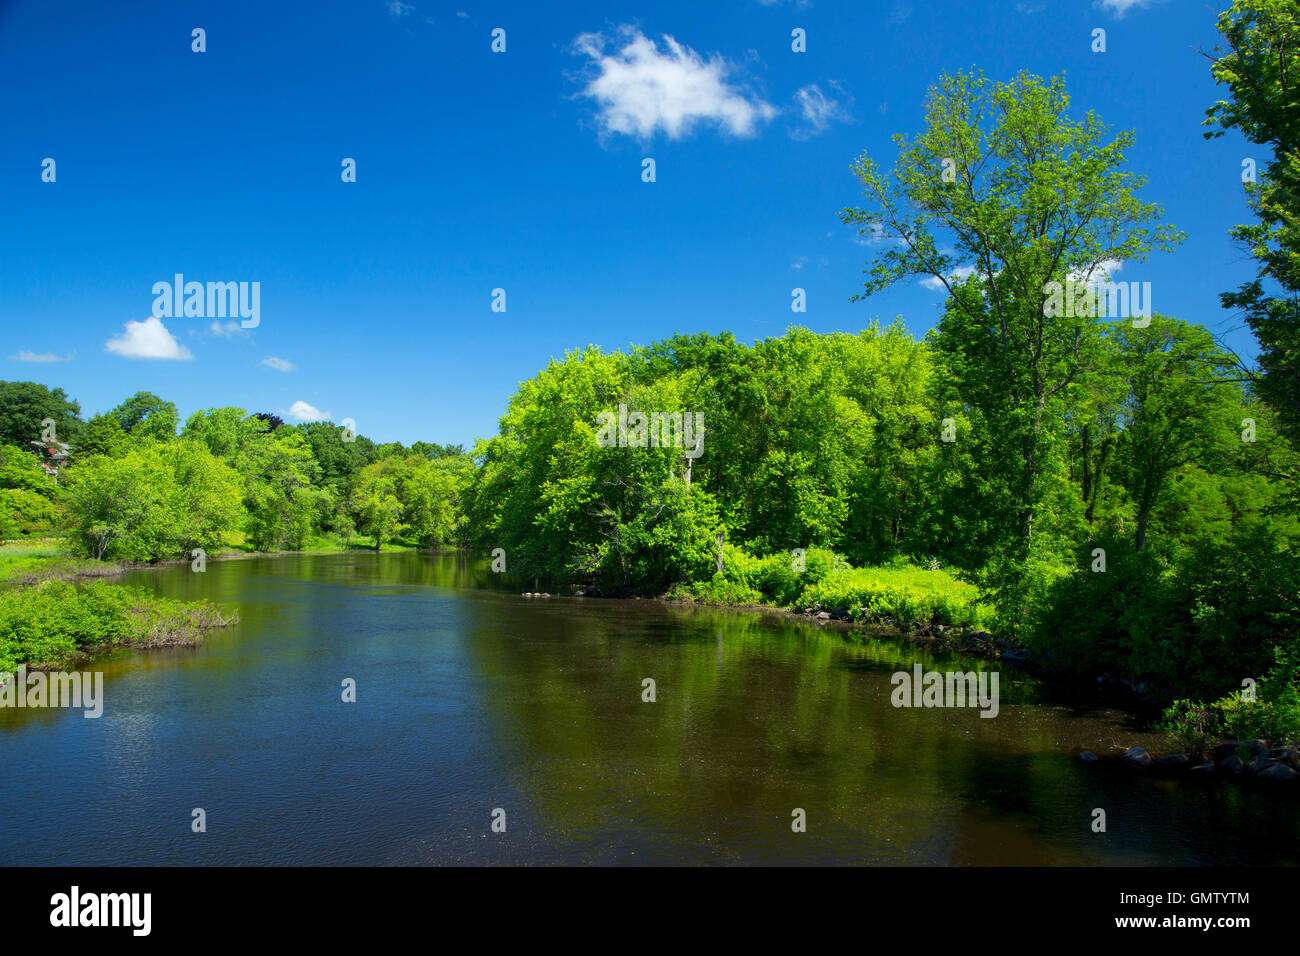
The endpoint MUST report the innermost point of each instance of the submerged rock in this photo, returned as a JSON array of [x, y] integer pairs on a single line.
[[1289, 755], [1137, 756], [1279, 772], [1225, 750], [1260, 764], [1087, 756]]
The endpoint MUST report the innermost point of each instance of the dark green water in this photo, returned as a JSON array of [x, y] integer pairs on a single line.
[[472, 699]]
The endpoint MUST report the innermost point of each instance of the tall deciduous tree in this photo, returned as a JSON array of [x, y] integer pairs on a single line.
[[24, 406], [1000, 195], [1178, 410], [1261, 68]]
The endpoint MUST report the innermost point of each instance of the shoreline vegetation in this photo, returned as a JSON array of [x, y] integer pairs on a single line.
[[58, 624], [938, 617]]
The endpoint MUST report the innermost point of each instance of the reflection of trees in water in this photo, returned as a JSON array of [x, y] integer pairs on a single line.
[[750, 721]]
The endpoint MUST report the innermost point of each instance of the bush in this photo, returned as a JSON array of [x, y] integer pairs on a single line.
[[1193, 726], [26, 512], [47, 625], [1199, 622], [1273, 714], [50, 624], [717, 591], [903, 594]]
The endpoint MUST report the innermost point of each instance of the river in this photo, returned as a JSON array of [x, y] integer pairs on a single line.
[[472, 700]]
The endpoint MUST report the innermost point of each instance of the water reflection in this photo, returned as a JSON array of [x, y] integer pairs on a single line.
[[470, 698]]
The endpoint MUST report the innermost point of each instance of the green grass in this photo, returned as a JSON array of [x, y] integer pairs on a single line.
[[900, 593], [29, 561], [904, 594], [236, 541]]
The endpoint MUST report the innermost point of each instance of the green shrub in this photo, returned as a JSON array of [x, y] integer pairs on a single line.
[[717, 591], [1193, 726], [1196, 623], [27, 512], [903, 593], [50, 624], [1273, 714]]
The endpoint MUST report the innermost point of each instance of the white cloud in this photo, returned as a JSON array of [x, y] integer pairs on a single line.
[[901, 10], [399, 9], [820, 110], [641, 89], [874, 235], [27, 356], [307, 413], [1099, 274], [961, 272], [279, 364], [227, 330], [148, 340], [1121, 7]]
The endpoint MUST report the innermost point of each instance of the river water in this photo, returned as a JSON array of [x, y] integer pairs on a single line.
[[474, 704]]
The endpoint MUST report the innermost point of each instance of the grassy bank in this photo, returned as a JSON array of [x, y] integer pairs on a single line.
[[902, 594], [55, 609], [26, 563], [55, 623]]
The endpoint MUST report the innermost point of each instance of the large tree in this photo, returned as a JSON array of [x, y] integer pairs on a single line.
[[1261, 68], [1001, 195], [144, 414], [24, 406], [1178, 411]]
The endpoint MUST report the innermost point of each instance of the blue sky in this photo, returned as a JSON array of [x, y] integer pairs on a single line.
[[518, 170]]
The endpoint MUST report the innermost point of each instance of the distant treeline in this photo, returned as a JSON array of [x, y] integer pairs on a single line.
[[140, 486]]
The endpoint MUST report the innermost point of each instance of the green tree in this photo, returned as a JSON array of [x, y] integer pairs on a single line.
[[24, 406], [283, 494], [1260, 67], [145, 415], [159, 500], [1178, 410], [340, 460], [1025, 197], [426, 493], [103, 435]]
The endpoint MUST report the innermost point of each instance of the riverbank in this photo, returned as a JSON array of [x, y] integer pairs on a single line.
[[1240, 760], [26, 563], [57, 611]]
